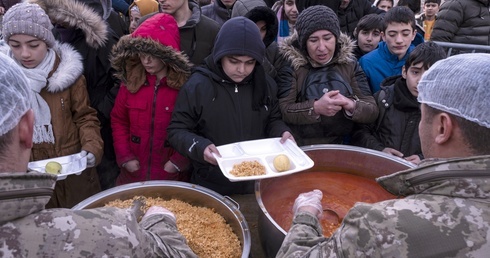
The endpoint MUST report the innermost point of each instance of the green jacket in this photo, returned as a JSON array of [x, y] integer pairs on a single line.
[[446, 213]]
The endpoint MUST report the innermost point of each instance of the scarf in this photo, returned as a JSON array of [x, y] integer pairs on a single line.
[[38, 79]]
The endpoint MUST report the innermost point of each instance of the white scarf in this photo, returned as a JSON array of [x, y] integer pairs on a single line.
[[38, 79]]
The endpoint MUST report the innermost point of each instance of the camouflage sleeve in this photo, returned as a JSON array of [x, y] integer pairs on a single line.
[[107, 232], [304, 235], [170, 241]]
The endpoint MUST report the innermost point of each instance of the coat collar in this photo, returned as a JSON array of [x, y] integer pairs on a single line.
[[290, 50]]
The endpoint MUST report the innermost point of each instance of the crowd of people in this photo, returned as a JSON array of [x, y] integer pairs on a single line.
[[147, 89]]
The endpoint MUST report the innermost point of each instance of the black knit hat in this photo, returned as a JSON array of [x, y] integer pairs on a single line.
[[315, 18]]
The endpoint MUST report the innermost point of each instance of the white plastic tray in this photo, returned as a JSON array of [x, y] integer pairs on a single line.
[[70, 165], [264, 151]]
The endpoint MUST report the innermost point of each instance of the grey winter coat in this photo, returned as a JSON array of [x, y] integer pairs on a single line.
[[29, 230], [217, 12], [463, 21], [446, 213]]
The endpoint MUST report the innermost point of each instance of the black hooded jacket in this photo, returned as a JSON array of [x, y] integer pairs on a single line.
[[212, 109], [397, 123]]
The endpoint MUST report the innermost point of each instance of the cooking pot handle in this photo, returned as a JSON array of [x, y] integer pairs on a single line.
[[233, 201]]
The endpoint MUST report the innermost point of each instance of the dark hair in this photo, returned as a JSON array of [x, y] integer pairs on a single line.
[[368, 23], [438, 2], [399, 14], [414, 5], [379, 1], [427, 53], [476, 136]]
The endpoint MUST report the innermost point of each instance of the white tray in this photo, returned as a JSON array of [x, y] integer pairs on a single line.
[[264, 151], [70, 165]]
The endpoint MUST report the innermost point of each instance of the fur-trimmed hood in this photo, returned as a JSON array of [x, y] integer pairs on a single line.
[[158, 36], [68, 70], [344, 52], [77, 15]]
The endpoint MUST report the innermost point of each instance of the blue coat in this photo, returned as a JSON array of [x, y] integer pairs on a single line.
[[380, 64]]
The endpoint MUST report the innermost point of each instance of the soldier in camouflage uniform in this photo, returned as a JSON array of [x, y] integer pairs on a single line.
[[446, 209], [28, 230]]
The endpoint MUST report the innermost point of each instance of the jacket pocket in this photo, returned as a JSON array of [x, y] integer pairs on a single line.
[[139, 115]]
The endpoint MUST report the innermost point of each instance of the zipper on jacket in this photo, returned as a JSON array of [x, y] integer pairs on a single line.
[[236, 88], [444, 175], [62, 104], [154, 104], [8, 195]]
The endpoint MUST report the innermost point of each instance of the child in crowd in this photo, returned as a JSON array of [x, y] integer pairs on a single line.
[[228, 99], [384, 4], [390, 56], [287, 13], [65, 123], [152, 69], [138, 9], [427, 19], [368, 34], [396, 129]]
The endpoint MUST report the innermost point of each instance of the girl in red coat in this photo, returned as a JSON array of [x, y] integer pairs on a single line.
[[152, 70]]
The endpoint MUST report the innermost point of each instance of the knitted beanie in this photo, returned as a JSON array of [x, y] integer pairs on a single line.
[[315, 18], [241, 37], [28, 19], [459, 85]]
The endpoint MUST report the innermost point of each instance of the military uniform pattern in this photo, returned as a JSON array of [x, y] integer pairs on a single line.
[[28, 230], [446, 213]]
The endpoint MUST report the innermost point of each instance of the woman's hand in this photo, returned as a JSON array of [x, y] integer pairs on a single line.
[[332, 102], [287, 135]]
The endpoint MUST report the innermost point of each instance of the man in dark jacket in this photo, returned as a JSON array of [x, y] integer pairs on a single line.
[[463, 21], [219, 10], [351, 11], [197, 32], [228, 99]]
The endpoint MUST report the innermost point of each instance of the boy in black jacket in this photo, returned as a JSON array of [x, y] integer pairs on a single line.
[[396, 130]]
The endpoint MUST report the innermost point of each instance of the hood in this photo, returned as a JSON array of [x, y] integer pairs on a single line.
[[264, 13], [76, 15], [195, 17], [344, 52], [145, 6], [158, 36], [239, 36], [69, 69], [22, 194], [241, 7]]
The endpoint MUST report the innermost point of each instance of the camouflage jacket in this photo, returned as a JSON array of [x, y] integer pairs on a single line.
[[446, 213], [29, 230]]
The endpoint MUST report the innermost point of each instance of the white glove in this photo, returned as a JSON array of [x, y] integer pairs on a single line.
[[310, 199], [159, 210], [90, 158]]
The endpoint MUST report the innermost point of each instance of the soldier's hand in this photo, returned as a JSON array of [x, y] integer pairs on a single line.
[[310, 202], [159, 210]]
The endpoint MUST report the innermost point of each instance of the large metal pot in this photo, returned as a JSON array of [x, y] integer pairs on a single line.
[[272, 192], [192, 194]]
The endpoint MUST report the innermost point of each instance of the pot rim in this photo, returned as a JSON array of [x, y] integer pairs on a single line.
[[305, 148], [230, 204]]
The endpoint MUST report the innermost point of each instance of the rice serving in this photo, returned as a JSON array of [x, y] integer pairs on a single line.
[[206, 231], [248, 168]]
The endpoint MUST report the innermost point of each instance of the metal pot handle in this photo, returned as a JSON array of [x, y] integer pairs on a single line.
[[233, 201]]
